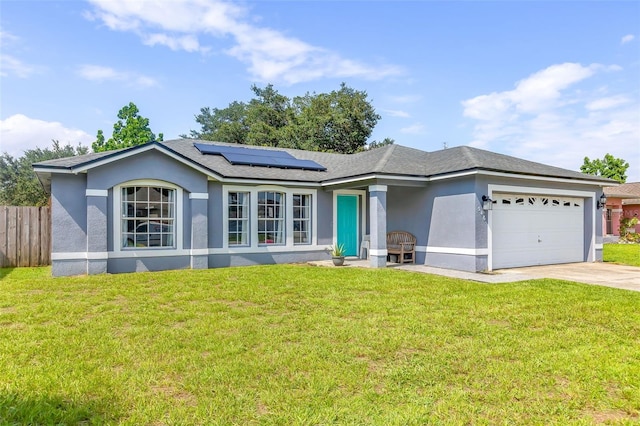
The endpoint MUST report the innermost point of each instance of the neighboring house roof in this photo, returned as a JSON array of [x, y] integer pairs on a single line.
[[625, 190], [390, 160]]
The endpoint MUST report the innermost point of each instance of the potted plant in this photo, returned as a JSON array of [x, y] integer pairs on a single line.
[[337, 254]]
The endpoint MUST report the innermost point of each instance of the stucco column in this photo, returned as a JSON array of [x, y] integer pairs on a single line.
[[378, 225], [199, 230], [97, 231]]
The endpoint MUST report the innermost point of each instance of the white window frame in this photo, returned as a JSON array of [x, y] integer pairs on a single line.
[[270, 217], [254, 245], [302, 219], [117, 220], [247, 220]]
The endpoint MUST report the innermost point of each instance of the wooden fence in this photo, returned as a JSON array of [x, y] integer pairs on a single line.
[[25, 236]]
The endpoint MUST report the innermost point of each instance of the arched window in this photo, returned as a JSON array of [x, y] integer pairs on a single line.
[[148, 212]]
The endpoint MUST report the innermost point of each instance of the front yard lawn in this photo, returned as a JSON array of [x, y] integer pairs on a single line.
[[626, 254], [293, 344]]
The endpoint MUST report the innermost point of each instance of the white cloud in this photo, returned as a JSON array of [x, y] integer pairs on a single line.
[[269, 55], [19, 133], [405, 99], [555, 117], [7, 38], [606, 103], [414, 129], [100, 74], [533, 94], [188, 42], [9, 64], [627, 39], [396, 113]]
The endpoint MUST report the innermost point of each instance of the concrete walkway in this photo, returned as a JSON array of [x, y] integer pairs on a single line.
[[605, 274], [598, 273]]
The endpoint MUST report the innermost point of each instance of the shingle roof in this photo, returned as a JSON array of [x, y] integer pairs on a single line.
[[388, 160], [468, 158], [625, 190]]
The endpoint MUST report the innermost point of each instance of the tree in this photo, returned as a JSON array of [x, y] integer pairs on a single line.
[[19, 185], [340, 121], [267, 116], [353, 120], [384, 142], [609, 167], [130, 130], [223, 125]]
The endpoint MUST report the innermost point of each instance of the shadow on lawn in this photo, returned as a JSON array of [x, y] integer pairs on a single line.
[[5, 271], [17, 410]]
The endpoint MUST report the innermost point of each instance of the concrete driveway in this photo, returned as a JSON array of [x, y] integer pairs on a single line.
[[598, 273], [606, 274]]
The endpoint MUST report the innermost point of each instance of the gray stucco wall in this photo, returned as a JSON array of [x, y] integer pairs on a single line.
[[109, 221], [186, 220], [68, 213], [150, 165], [147, 165], [215, 215], [143, 264], [453, 218], [325, 218], [62, 268], [455, 222], [246, 259], [68, 222], [409, 209]]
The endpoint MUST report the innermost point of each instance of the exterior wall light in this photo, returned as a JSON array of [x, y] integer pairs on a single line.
[[487, 203], [603, 201]]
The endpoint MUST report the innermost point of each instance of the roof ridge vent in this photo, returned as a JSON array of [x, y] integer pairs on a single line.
[[385, 157], [469, 153]]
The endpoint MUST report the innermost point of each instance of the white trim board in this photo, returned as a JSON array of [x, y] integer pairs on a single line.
[[150, 253], [198, 196], [97, 193], [377, 188], [454, 250], [453, 175], [81, 255], [378, 252]]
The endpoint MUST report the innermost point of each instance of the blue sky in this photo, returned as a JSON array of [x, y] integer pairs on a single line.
[[545, 81]]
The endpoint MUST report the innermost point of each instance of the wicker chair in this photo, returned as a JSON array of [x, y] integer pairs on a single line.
[[403, 245]]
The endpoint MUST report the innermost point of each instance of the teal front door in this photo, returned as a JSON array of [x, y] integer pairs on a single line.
[[347, 221]]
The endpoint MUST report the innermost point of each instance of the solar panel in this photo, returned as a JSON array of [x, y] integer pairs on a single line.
[[258, 157], [283, 163], [220, 150]]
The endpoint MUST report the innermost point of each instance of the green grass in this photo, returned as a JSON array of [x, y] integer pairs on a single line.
[[290, 344], [626, 254]]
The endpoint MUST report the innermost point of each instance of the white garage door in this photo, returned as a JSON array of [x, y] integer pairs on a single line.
[[536, 230]]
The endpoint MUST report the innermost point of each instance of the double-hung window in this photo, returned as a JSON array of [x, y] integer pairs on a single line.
[[271, 208], [265, 216], [302, 218], [148, 217], [238, 230]]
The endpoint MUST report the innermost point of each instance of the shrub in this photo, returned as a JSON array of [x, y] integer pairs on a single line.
[[625, 234]]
